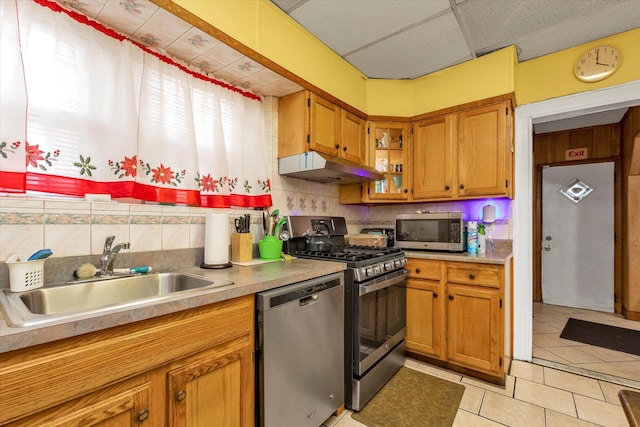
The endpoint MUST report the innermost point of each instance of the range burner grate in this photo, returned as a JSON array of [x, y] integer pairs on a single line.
[[350, 253]]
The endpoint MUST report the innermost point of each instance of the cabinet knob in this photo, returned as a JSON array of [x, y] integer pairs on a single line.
[[417, 271], [461, 186], [446, 187], [451, 297], [472, 276], [181, 395], [143, 415], [344, 148], [435, 295], [406, 191], [337, 145]]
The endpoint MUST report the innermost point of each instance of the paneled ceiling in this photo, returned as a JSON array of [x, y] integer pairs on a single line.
[[396, 39], [405, 39]]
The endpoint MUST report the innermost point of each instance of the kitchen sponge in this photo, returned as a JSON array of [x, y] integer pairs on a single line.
[[85, 271]]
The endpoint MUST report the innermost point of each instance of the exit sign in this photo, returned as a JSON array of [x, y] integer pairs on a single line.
[[576, 154]]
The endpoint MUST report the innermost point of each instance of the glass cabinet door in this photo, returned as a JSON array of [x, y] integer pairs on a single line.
[[389, 148]]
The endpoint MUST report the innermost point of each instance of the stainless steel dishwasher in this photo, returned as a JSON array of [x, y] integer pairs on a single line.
[[300, 350]]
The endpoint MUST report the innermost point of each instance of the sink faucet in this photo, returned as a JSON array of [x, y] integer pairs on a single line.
[[109, 255]]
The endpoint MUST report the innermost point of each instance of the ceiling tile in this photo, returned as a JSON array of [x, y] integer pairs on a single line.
[[246, 67], [287, 5], [223, 54], [347, 25], [207, 64], [165, 27], [491, 25], [191, 44], [126, 16], [90, 9], [616, 18], [416, 52]]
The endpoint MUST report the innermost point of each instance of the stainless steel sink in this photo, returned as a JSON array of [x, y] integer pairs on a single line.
[[63, 301]]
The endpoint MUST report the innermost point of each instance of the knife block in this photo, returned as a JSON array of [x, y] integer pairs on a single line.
[[241, 247]]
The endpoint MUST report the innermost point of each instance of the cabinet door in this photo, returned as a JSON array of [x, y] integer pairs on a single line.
[[432, 158], [215, 389], [352, 137], [474, 320], [425, 318], [483, 150], [325, 126], [124, 404], [388, 142]]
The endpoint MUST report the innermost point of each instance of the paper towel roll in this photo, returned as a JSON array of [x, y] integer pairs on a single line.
[[488, 214], [217, 236]]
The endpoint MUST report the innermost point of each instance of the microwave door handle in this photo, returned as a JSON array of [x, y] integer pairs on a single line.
[[366, 289]]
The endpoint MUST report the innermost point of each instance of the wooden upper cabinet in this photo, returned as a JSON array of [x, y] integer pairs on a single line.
[[484, 151], [432, 155], [307, 122], [389, 155], [352, 137], [325, 126], [465, 154]]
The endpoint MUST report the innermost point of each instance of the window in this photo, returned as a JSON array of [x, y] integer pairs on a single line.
[[87, 111]]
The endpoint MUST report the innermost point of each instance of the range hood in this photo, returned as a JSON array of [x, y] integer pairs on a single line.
[[319, 167]]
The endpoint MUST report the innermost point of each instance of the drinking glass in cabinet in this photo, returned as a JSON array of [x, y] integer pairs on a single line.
[[382, 186], [397, 182]]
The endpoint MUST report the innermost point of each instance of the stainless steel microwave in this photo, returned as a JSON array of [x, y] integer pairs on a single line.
[[436, 231]]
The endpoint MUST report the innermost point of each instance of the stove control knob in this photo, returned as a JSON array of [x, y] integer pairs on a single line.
[[397, 263], [388, 266], [376, 269], [368, 271]]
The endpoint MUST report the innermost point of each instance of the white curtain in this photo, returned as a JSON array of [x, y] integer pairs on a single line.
[[13, 101], [93, 113]]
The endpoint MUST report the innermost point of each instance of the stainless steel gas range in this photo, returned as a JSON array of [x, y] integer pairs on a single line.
[[375, 302]]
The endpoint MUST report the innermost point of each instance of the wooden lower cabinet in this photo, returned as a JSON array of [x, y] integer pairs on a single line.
[[456, 314], [425, 318], [125, 404], [212, 389], [473, 328], [192, 368]]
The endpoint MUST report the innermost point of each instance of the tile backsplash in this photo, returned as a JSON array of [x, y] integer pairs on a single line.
[[74, 228]]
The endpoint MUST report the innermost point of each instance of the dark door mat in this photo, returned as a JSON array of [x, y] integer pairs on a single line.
[[611, 337], [413, 399]]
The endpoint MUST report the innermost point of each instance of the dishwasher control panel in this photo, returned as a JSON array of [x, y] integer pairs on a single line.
[[303, 292], [297, 291]]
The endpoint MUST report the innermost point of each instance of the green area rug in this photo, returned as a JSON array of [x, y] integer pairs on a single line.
[[412, 399]]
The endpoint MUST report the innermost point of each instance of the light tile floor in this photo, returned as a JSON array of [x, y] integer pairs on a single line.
[[569, 384], [534, 395], [551, 350]]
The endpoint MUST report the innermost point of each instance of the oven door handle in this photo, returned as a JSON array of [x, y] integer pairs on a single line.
[[365, 289]]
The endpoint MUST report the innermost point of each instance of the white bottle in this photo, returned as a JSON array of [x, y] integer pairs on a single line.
[[482, 239], [472, 237]]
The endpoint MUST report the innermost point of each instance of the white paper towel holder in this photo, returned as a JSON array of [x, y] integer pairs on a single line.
[[216, 231], [216, 266]]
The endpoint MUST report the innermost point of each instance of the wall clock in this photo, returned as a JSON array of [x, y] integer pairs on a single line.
[[597, 63]]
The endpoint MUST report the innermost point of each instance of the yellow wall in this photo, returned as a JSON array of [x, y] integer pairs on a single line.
[[481, 78], [260, 25], [552, 76], [263, 27]]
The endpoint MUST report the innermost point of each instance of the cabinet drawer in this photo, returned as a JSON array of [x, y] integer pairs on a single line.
[[425, 268], [475, 274]]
